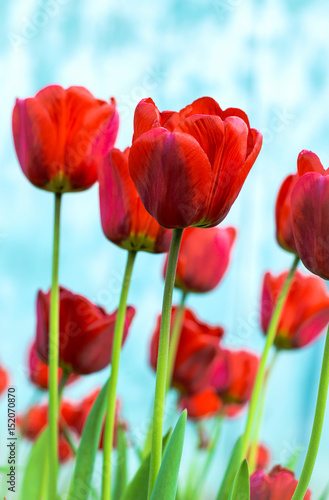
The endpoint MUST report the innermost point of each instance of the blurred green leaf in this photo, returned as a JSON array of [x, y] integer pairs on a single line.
[[233, 465], [137, 488], [80, 488], [166, 483], [35, 480], [121, 469], [241, 485]]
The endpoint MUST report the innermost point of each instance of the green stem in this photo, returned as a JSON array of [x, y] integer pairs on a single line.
[[210, 453], [320, 409], [274, 323], [53, 359], [174, 338], [112, 387], [252, 458], [162, 363]]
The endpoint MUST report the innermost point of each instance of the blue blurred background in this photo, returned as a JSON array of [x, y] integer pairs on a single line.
[[268, 57]]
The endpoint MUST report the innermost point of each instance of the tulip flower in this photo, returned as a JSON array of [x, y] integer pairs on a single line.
[[60, 136], [83, 411], [203, 258], [4, 379], [263, 456], [35, 420], [227, 383], [125, 221], [283, 219], [85, 332], [309, 209], [39, 371], [189, 167], [305, 313], [279, 484], [198, 345]]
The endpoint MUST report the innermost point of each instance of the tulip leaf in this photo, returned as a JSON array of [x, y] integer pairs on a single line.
[[35, 480], [165, 487], [80, 487], [121, 466], [137, 488], [233, 465], [241, 485]]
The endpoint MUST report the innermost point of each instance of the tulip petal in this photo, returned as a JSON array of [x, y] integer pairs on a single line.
[[160, 164], [146, 117], [208, 131], [310, 208], [309, 162], [202, 106], [201, 404]]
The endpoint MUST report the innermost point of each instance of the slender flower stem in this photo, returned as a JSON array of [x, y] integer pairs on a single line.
[[53, 358], [274, 323], [162, 363], [112, 388], [320, 409], [174, 338], [252, 458]]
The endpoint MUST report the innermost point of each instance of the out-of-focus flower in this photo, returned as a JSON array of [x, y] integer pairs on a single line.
[[39, 371], [283, 219], [4, 379], [263, 456], [305, 313], [309, 209], [60, 136], [125, 221], [198, 345], [83, 412], [224, 387], [203, 258], [35, 420], [279, 484], [189, 167], [86, 332]]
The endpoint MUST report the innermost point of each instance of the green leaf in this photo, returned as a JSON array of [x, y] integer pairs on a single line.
[[121, 468], [241, 486], [81, 488], [35, 480], [233, 465], [137, 488], [166, 483]]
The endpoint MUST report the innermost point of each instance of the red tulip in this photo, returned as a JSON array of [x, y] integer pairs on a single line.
[[83, 413], [203, 258], [85, 333], [60, 136], [125, 221], [224, 387], [305, 313], [4, 380], [198, 345], [35, 421], [309, 208], [283, 219], [279, 484], [189, 167], [39, 371], [263, 457]]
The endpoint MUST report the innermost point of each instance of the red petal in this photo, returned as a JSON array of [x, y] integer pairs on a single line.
[[172, 175], [309, 162], [310, 208]]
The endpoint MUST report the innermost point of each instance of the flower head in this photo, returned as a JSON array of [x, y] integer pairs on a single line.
[[189, 167], [279, 484], [86, 332], [203, 258], [60, 136], [4, 379], [305, 312], [283, 219], [309, 209], [125, 221]]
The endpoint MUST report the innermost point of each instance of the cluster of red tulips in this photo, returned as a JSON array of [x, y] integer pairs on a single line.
[[168, 192]]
